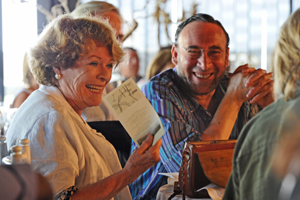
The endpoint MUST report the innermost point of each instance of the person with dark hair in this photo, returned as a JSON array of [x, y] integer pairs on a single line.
[[198, 99]]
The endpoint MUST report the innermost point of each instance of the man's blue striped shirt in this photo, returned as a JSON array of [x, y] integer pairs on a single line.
[[184, 119]]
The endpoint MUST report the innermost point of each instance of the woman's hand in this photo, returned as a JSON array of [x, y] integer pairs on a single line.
[[143, 157]]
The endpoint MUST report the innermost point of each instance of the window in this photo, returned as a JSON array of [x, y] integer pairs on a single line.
[[19, 31]]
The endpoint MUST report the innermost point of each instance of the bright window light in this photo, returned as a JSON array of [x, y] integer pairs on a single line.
[[264, 40], [19, 32]]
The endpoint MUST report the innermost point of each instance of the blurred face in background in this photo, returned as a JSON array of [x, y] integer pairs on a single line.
[[130, 66]]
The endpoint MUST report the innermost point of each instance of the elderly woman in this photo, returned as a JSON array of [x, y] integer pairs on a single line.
[[73, 61], [110, 13], [253, 175], [103, 112]]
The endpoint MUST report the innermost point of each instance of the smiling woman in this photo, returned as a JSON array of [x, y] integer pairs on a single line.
[[83, 84], [63, 42], [73, 60]]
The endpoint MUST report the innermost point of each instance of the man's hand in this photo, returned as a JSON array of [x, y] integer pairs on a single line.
[[237, 89], [265, 96], [261, 85], [249, 83]]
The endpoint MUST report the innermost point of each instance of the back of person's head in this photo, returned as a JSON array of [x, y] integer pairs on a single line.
[[161, 61], [64, 39], [203, 18], [105, 10], [286, 59], [94, 8]]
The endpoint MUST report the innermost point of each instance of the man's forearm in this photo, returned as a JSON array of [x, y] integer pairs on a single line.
[[223, 121]]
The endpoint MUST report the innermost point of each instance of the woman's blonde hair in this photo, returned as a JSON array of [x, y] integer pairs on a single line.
[[62, 42], [160, 60], [94, 8], [286, 58]]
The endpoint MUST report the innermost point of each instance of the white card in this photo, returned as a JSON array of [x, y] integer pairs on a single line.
[[135, 112]]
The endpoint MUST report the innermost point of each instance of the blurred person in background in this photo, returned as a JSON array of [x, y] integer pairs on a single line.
[[30, 85], [159, 63], [129, 67], [105, 11]]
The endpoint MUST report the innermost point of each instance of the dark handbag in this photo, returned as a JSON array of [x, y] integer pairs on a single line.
[[204, 163]]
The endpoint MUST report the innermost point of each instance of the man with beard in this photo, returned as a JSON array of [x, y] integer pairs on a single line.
[[198, 100]]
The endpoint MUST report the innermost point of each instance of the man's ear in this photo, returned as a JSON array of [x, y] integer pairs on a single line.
[[174, 54], [227, 57]]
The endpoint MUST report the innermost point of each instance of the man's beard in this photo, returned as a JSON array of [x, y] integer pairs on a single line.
[[187, 86]]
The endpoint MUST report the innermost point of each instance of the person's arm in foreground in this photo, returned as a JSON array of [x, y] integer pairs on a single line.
[[141, 159], [245, 83]]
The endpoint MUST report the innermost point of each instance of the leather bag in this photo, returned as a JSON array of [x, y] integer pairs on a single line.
[[203, 163]]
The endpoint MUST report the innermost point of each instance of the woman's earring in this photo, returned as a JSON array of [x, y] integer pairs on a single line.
[[57, 76]]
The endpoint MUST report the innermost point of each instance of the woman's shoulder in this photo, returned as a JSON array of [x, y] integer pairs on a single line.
[[261, 130], [39, 113]]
